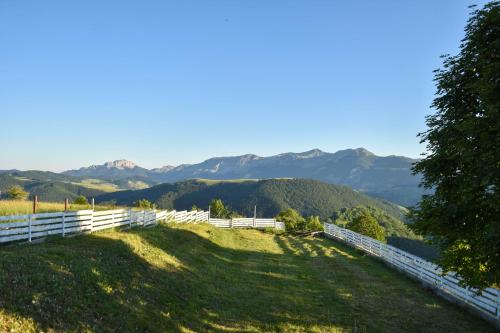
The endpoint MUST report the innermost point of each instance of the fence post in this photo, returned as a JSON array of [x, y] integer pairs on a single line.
[[130, 218], [255, 216], [92, 203], [35, 203], [29, 228], [498, 303], [208, 214], [144, 218], [63, 224], [92, 221]]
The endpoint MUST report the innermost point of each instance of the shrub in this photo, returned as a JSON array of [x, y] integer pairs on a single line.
[[16, 192], [367, 225], [292, 219], [313, 224], [218, 209], [144, 204], [81, 200]]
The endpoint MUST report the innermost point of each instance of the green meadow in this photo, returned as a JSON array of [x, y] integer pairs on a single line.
[[196, 278]]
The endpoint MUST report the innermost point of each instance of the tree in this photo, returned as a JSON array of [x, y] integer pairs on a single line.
[[462, 165], [218, 209], [367, 225], [144, 204], [313, 224], [194, 208], [81, 200], [16, 192], [292, 219]]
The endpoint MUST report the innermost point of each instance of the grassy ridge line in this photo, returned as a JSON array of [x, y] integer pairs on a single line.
[[196, 278], [22, 207]]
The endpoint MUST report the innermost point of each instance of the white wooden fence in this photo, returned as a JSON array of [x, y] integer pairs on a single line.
[[487, 302], [35, 226], [183, 216], [247, 222]]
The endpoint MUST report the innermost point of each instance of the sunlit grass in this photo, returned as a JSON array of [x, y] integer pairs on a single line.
[[196, 278], [21, 207]]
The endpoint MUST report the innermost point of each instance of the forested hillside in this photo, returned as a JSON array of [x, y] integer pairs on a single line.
[[309, 197]]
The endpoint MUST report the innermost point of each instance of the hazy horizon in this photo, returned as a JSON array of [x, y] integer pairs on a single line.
[[180, 82]]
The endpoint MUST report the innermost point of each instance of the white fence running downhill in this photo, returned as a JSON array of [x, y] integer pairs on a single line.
[[37, 226], [487, 303]]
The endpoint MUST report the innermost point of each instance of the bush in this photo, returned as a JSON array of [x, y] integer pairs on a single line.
[[219, 210], [292, 219], [17, 193], [81, 200], [313, 224], [144, 204], [367, 225]]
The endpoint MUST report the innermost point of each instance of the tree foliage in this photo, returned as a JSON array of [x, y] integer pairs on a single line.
[[144, 204], [367, 225], [462, 165], [81, 200], [17, 193], [313, 224], [292, 219], [218, 209]]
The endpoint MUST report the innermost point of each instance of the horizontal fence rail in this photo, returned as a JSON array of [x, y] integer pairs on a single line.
[[35, 226], [18, 228], [487, 302], [246, 222]]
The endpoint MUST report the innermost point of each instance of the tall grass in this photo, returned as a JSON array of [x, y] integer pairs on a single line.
[[21, 207]]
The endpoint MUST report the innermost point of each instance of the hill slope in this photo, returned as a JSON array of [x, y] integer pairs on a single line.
[[310, 197], [48, 186], [195, 278], [387, 177]]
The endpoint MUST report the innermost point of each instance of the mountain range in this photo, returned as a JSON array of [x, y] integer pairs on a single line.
[[387, 177]]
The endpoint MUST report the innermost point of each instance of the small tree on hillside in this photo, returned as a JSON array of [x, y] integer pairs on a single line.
[[81, 200], [17, 193], [367, 225], [292, 219], [218, 209], [194, 208], [144, 204], [313, 224]]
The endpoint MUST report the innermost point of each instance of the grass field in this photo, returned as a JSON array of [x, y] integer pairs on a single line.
[[98, 184], [20, 207], [195, 278]]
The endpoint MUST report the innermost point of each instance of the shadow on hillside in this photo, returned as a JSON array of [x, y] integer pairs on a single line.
[[101, 284]]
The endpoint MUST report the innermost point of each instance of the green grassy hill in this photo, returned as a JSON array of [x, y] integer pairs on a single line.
[[195, 278]]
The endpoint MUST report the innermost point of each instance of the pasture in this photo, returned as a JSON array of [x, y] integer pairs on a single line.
[[21, 207], [197, 278]]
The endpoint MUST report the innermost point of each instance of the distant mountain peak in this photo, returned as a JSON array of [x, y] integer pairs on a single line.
[[120, 164], [363, 151], [312, 153], [165, 168]]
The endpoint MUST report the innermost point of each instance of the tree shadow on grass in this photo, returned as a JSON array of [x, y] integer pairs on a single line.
[[173, 280]]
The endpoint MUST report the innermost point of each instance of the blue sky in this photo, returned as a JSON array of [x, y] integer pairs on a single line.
[[170, 82]]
